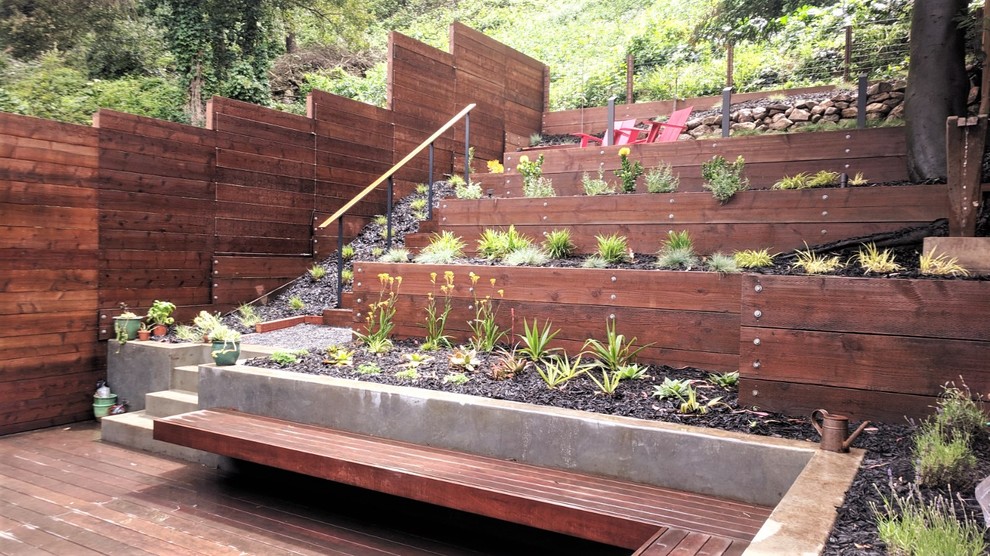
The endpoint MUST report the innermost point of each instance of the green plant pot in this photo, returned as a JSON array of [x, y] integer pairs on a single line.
[[130, 326], [225, 353], [102, 405]]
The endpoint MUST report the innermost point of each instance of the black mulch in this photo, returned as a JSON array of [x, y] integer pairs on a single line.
[[888, 462]]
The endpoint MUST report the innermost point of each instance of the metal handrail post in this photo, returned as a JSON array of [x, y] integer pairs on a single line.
[[388, 213], [340, 258], [467, 149], [429, 195]]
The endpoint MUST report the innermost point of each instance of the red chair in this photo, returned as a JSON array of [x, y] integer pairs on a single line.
[[669, 131], [625, 133]]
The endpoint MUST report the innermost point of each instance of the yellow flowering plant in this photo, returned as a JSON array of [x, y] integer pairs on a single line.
[[379, 322], [629, 171], [485, 331], [436, 319], [495, 167]]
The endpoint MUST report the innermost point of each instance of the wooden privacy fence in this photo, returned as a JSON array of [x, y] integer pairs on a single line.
[[135, 209]]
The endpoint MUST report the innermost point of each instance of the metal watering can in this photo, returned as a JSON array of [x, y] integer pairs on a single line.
[[835, 431]]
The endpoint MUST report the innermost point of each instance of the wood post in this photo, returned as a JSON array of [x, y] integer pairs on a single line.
[[964, 142]]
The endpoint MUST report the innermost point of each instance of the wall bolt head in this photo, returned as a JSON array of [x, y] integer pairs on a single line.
[[757, 313], [756, 364], [758, 288], [756, 341]]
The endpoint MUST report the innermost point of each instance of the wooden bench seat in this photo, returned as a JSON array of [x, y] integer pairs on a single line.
[[606, 510]]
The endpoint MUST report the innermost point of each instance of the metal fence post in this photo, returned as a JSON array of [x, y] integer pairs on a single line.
[[726, 106], [861, 103], [467, 149], [610, 131], [388, 212]]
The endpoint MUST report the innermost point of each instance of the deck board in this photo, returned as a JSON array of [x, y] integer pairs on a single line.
[[592, 507], [65, 492]]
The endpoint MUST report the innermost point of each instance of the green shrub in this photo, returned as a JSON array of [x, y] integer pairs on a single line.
[[531, 255], [723, 179], [721, 263], [750, 258], [613, 249], [596, 186], [444, 248], [662, 179], [558, 244], [909, 525]]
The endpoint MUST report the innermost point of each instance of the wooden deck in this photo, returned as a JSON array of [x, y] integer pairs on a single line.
[[63, 491]]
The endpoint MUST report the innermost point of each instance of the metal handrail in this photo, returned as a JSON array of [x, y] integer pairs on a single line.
[[398, 165], [388, 175]]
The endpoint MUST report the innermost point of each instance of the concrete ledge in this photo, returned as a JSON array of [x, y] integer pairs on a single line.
[[801, 522], [732, 465]]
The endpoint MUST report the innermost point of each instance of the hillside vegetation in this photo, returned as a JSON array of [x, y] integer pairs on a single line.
[[63, 59]]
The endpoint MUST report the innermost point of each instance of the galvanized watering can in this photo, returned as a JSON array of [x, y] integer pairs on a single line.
[[835, 430]]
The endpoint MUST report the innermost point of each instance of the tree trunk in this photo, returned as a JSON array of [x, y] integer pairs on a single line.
[[196, 109], [937, 85]]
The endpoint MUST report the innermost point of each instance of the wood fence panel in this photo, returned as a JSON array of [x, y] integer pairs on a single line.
[[421, 94], [49, 268], [141, 214], [241, 279]]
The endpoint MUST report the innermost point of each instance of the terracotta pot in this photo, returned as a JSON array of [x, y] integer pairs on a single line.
[[160, 330], [144, 334]]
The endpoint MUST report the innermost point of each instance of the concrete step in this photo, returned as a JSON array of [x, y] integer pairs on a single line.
[[185, 378], [170, 402], [135, 431]]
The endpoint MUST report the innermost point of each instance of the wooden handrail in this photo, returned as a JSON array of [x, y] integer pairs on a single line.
[[343, 210]]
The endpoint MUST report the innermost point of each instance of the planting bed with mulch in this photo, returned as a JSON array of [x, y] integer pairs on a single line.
[[888, 465]]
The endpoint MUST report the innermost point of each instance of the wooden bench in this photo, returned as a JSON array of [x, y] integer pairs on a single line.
[[615, 512]]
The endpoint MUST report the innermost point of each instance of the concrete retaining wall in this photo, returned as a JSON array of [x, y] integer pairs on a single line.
[[730, 465]]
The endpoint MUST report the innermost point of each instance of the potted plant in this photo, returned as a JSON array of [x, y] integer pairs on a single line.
[[144, 333], [226, 345], [126, 325], [207, 323], [160, 315]]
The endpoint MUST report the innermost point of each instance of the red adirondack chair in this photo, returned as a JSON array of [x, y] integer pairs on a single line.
[[667, 132], [625, 133]]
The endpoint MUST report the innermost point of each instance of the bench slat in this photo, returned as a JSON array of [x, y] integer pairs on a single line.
[[586, 506]]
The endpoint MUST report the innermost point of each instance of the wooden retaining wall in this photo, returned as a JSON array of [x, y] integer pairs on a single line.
[[776, 220], [49, 273], [878, 153], [868, 348], [691, 319]]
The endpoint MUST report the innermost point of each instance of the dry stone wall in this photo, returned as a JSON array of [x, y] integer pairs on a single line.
[[885, 102]]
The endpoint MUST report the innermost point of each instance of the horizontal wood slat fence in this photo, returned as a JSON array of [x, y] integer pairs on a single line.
[[134, 209]]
